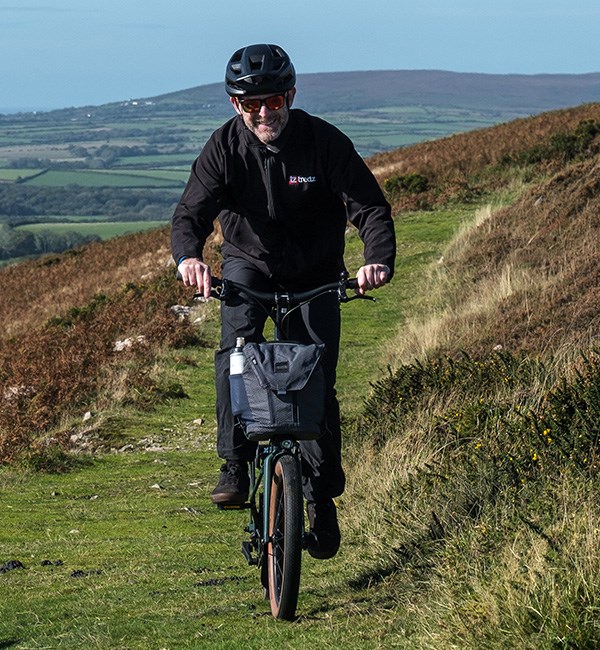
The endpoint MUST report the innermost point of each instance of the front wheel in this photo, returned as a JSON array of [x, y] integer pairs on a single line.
[[284, 546]]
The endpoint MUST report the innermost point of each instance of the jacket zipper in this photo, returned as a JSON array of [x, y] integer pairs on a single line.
[[268, 161]]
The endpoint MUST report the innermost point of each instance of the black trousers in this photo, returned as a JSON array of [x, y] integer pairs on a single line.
[[317, 322]]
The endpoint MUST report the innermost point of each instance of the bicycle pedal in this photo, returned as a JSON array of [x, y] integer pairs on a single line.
[[247, 552]]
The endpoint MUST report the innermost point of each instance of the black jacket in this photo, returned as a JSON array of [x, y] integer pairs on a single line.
[[284, 206]]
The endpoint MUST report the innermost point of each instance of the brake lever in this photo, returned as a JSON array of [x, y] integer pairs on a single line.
[[218, 290], [344, 297], [358, 296]]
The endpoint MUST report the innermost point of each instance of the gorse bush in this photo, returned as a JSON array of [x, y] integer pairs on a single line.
[[405, 184], [491, 410], [568, 423]]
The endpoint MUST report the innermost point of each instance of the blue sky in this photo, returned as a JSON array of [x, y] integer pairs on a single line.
[[60, 53]]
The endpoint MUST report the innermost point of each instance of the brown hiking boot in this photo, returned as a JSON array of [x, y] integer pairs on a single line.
[[324, 539], [233, 486]]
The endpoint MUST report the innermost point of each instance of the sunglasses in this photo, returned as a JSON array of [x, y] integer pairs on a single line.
[[253, 105]]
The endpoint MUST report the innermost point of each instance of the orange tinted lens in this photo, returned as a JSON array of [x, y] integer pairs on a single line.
[[275, 102], [251, 105]]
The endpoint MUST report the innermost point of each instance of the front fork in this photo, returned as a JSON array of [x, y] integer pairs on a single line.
[[261, 474]]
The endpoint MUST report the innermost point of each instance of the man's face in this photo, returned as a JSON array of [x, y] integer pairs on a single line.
[[266, 124]]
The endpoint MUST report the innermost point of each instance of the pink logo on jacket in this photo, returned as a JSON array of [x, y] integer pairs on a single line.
[[297, 180]]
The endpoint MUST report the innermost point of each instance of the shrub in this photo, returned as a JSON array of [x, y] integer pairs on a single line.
[[490, 410], [563, 146], [406, 184]]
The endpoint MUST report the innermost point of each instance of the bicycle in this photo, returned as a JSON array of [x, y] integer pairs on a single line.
[[276, 523]]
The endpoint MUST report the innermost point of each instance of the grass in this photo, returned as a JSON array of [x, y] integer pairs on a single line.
[[181, 161], [161, 174], [123, 564], [132, 555], [367, 327]]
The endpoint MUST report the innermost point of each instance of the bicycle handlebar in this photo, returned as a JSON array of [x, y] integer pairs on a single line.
[[221, 288]]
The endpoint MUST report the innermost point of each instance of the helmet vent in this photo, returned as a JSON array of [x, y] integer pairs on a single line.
[[257, 62]]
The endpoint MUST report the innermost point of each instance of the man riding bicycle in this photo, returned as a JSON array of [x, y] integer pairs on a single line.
[[283, 185]]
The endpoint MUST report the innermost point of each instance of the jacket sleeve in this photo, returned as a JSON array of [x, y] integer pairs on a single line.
[[199, 206], [366, 206]]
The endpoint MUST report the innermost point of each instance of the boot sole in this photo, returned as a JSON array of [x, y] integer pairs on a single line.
[[229, 499]]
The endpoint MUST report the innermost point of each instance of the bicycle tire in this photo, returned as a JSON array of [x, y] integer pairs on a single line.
[[286, 529]]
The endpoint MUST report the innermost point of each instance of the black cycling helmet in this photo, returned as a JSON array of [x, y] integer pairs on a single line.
[[258, 70]]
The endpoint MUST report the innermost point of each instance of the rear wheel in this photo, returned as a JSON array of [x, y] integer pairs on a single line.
[[286, 528]]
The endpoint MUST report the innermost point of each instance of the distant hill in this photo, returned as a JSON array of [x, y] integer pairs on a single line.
[[496, 96], [341, 91], [380, 109]]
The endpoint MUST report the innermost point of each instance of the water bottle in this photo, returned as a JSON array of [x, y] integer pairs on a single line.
[[239, 400]]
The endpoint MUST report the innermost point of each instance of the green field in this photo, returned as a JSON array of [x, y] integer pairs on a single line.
[[173, 175], [98, 178], [102, 229], [12, 175], [174, 161]]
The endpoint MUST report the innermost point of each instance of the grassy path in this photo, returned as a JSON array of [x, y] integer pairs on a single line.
[[127, 552]]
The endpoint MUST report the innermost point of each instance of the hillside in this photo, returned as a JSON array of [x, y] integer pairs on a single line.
[[543, 301], [470, 516], [467, 155], [330, 92], [558, 199]]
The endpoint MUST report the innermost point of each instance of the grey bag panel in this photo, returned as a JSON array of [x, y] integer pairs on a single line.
[[283, 366], [285, 390]]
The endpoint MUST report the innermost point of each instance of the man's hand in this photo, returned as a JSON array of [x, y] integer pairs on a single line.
[[196, 273], [372, 276]]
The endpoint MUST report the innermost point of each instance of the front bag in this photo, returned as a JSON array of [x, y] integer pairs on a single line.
[[281, 392]]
